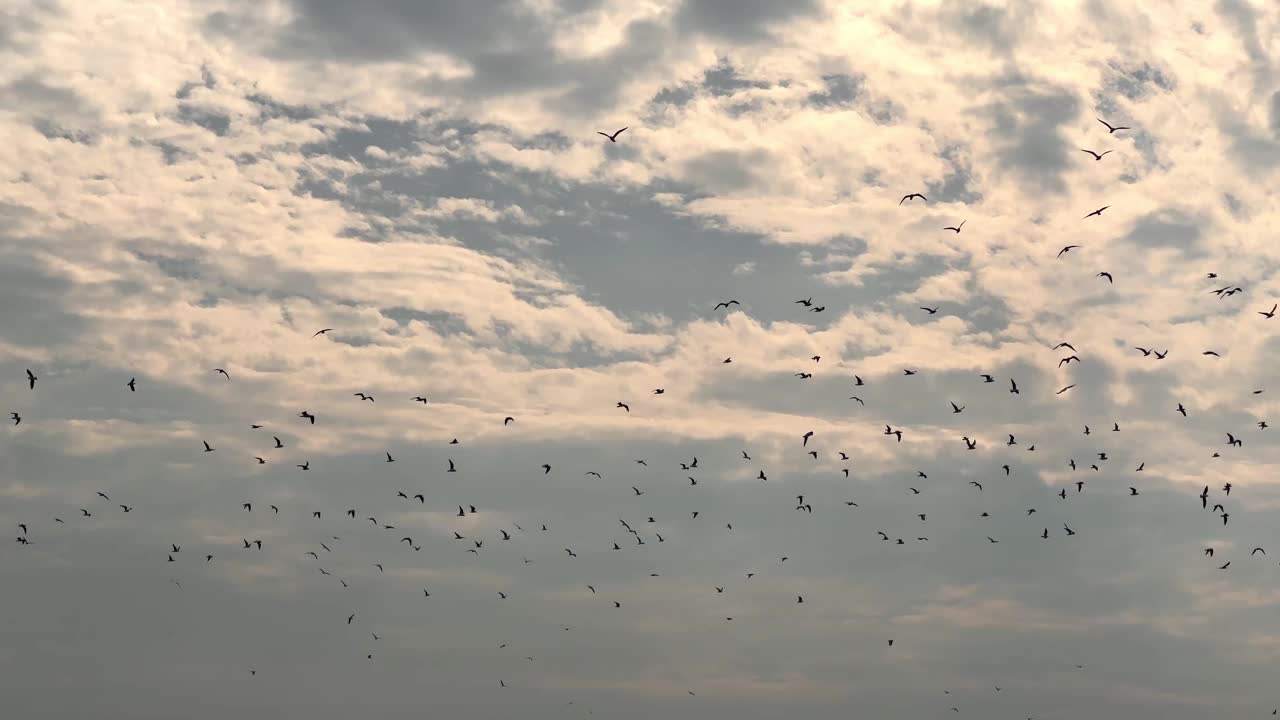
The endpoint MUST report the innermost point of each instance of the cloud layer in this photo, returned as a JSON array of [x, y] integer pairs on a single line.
[[206, 185]]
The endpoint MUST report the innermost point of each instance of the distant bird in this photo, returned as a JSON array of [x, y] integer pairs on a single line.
[[132, 385], [207, 448], [1067, 249], [31, 380], [614, 136], [322, 331], [725, 304], [624, 406], [909, 196], [217, 370], [17, 419], [956, 228], [1107, 275], [1112, 129], [1271, 313], [931, 311], [1096, 156], [1064, 389], [1097, 212]]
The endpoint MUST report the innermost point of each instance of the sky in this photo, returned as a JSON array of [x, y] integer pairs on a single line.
[[187, 186]]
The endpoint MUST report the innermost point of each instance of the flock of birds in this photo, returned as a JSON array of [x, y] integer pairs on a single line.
[[634, 533]]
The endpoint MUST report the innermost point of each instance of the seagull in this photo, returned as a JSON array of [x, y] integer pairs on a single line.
[[956, 228], [1271, 313], [614, 136], [1066, 250], [726, 305], [1110, 128], [1097, 212], [132, 384], [1107, 275], [31, 380], [908, 196], [1096, 156], [322, 332], [217, 370]]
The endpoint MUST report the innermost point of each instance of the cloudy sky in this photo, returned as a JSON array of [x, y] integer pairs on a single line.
[[191, 185]]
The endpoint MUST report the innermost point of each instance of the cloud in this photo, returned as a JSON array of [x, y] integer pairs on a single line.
[[209, 185]]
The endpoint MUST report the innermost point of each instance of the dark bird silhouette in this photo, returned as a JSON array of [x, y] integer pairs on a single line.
[[956, 228], [322, 331], [614, 136], [1096, 156], [31, 380], [1097, 212], [909, 196], [1067, 249], [725, 304], [1111, 129]]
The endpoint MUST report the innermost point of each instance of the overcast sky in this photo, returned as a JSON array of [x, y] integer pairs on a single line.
[[195, 185]]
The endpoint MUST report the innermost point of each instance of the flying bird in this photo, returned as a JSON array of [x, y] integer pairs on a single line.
[[1096, 156], [956, 228], [1097, 212], [614, 136], [1112, 129], [909, 196]]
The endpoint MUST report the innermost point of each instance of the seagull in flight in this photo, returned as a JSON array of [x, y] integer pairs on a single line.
[[1096, 156], [908, 196], [1111, 128], [322, 331], [726, 304], [1066, 250], [31, 380], [956, 228], [1097, 212], [614, 136]]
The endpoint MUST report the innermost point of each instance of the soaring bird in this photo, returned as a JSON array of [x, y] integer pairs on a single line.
[[956, 228], [132, 384], [1067, 249], [31, 380], [909, 196], [725, 304], [1112, 129], [614, 136], [1096, 156], [1097, 212], [322, 331]]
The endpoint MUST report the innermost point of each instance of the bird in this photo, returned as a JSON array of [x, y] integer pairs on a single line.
[[17, 419], [1067, 249], [322, 331], [624, 406], [1097, 212], [1270, 313], [1111, 129], [956, 228], [726, 304], [931, 311], [207, 448], [1096, 156], [218, 370], [909, 196], [31, 380], [1107, 275], [132, 384], [614, 136]]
